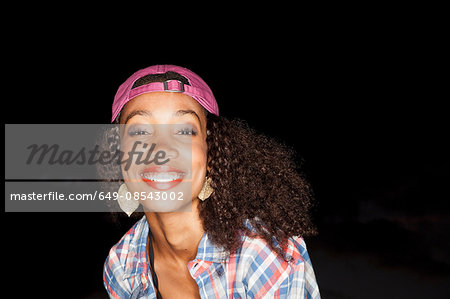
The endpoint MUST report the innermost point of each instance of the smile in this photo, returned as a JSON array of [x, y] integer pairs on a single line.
[[162, 177]]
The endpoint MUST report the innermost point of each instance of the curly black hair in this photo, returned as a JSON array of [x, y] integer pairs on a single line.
[[254, 177]]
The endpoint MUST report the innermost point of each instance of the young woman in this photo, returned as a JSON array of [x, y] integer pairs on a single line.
[[241, 236]]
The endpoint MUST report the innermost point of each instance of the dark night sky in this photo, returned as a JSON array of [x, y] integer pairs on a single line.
[[364, 113]]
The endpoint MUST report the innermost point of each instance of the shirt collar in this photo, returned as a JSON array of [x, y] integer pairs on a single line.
[[207, 251], [137, 260]]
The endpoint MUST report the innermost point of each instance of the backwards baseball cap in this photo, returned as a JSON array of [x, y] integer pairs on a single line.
[[197, 88]]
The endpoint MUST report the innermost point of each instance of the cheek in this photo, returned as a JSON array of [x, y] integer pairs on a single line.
[[128, 162]]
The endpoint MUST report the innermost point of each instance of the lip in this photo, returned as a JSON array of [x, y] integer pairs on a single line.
[[162, 169]]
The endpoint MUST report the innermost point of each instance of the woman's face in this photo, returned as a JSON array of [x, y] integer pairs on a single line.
[[168, 129]]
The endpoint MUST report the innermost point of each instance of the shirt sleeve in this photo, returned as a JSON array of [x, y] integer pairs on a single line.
[[269, 276]]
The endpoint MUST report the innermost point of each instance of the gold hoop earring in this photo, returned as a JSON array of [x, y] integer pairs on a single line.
[[206, 191]]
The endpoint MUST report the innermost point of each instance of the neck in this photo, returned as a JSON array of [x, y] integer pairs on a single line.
[[176, 235]]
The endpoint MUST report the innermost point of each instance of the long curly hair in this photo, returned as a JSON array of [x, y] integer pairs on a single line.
[[255, 178]]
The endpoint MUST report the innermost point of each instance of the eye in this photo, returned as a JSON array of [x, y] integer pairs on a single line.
[[138, 131], [133, 133], [187, 131]]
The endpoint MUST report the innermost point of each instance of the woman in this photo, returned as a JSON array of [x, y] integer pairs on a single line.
[[247, 207]]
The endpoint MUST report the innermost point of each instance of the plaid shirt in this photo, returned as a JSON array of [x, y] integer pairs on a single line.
[[254, 271]]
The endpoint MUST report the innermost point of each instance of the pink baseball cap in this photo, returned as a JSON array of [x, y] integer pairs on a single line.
[[197, 89]]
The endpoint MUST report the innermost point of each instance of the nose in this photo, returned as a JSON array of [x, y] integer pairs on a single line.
[[165, 149]]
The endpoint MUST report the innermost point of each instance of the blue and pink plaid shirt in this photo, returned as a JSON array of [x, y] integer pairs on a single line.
[[254, 271]]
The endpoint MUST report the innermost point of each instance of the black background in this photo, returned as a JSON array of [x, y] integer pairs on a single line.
[[361, 105]]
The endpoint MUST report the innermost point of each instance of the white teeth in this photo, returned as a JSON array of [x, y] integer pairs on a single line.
[[162, 177]]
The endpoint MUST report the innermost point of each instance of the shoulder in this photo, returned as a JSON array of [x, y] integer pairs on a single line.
[[257, 251], [126, 259], [254, 246], [266, 273], [126, 251]]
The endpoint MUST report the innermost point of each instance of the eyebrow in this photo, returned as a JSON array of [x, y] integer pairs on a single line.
[[147, 113], [184, 112], [138, 112]]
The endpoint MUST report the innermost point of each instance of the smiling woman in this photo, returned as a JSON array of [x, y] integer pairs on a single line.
[[242, 236]]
